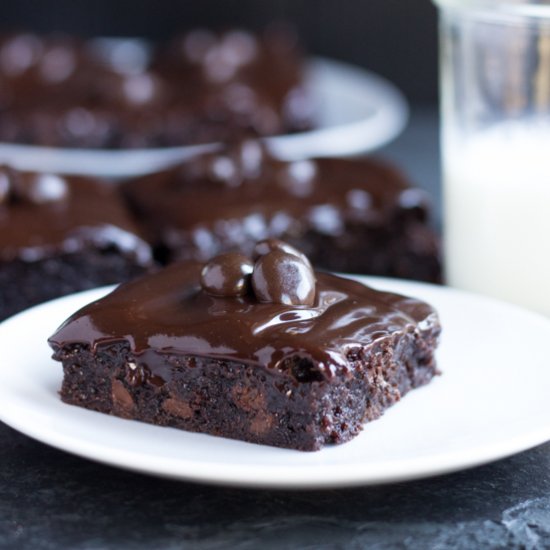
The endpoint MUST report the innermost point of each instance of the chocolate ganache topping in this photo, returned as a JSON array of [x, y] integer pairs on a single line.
[[169, 312]]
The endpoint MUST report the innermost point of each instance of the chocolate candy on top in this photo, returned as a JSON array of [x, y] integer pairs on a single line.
[[227, 275], [281, 275], [283, 278], [269, 245]]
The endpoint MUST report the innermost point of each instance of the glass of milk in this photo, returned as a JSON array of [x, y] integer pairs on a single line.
[[495, 98]]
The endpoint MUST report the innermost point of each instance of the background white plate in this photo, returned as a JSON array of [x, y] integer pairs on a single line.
[[490, 401], [356, 111]]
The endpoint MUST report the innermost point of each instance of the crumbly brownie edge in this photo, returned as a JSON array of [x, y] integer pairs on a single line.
[[292, 407]]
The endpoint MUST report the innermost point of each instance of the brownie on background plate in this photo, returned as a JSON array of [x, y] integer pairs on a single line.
[[59, 235], [259, 348], [348, 215], [203, 86]]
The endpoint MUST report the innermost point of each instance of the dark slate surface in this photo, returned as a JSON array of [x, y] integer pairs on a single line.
[[50, 500]]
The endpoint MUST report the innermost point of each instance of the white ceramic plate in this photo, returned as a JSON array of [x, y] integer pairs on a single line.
[[491, 401], [356, 111]]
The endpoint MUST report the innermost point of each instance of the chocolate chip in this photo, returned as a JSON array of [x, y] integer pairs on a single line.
[[261, 423], [227, 275], [140, 89], [269, 245], [57, 63], [283, 278], [298, 177], [19, 53], [5, 186], [239, 47], [177, 407], [414, 204], [123, 404], [224, 169], [41, 188], [135, 374], [250, 155], [248, 397]]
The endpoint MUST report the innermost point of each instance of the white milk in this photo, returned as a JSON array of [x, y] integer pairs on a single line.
[[497, 215]]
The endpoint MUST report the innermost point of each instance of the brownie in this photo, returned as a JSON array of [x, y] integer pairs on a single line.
[[59, 235], [263, 350], [201, 87], [348, 215]]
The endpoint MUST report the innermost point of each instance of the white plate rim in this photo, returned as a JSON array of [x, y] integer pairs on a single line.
[[273, 476]]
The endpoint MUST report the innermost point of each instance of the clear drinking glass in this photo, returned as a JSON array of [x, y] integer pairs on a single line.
[[495, 104]]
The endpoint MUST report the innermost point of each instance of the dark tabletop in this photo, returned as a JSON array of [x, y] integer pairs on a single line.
[[50, 499]]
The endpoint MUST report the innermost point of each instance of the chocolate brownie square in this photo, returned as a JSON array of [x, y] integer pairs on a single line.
[[59, 235], [347, 215], [262, 350]]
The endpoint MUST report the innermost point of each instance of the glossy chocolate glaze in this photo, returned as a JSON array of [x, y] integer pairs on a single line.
[[235, 197], [167, 312], [79, 212]]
